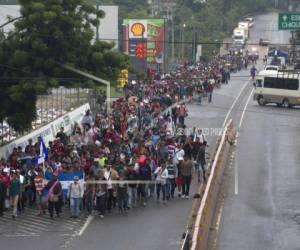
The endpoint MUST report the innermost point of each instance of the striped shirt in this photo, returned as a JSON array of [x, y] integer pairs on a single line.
[[38, 181], [171, 150]]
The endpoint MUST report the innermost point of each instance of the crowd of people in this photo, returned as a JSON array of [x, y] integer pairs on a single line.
[[141, 149]]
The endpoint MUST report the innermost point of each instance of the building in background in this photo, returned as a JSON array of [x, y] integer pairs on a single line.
[[108, 29], [144, 42]]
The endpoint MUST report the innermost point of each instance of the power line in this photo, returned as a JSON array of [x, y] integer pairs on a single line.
[[164, 42]]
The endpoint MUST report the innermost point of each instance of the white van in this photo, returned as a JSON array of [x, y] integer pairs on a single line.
[[272, 67], [280, 87]]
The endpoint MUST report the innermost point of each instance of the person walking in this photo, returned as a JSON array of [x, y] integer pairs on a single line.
[[101, 194], [122, 193], [54, 192], [171, 184], [161, 180], [89, 193], [131, 175], [110, 175], [2, 195], [210, 89], [181, 114], [38, 182], [201, 161], [186, 168], [75, 194], [14, 192]]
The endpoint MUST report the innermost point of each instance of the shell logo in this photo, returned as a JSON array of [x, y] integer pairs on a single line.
[[138, 29]]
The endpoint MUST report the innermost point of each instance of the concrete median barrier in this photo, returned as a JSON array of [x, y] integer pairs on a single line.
[[204, 209]]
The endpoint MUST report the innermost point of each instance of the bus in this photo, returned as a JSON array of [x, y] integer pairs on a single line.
[[279, 87]]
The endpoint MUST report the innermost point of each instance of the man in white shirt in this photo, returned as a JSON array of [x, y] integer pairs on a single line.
[[75, 193], [202, 137]]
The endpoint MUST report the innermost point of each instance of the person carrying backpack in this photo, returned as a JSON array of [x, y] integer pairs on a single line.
[[75, 194]]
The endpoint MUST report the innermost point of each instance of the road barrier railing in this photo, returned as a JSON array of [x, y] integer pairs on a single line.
[[204, 208]]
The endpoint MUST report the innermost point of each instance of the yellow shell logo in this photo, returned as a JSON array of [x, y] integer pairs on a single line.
[[138, 29]]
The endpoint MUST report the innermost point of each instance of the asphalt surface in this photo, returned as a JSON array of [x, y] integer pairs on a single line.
[[262, 210], [157, 226], [161, 226]]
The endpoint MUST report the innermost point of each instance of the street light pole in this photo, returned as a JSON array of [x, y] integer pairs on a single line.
[[182, 41]]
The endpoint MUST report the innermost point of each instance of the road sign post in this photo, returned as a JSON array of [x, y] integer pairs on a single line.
[[289, 21]]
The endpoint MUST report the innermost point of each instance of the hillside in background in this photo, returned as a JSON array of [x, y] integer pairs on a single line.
[[211, 20]]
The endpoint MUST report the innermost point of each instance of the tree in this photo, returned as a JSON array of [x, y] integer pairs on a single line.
[[49, 34]]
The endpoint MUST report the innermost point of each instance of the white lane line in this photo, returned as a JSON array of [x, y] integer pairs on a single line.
[[219, 217], [236, 179], [233, 104], [236, 174], [21, 235], [86, 224], [244, 110]]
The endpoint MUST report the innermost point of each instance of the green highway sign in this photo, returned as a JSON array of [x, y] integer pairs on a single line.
[[289, 21]]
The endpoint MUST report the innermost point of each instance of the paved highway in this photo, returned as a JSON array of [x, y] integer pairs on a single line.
[[262, 208], [161, 226]]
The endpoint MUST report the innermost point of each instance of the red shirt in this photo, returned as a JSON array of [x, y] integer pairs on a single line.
[[5, 180]]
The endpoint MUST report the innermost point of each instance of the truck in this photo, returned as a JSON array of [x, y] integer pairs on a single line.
[[239, 36], [245, 25], [250, 21]]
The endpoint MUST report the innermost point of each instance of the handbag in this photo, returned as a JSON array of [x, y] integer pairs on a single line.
[[51, 196], [54, 198]]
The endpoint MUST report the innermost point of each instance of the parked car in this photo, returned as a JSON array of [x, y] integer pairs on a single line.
[[264, 41]]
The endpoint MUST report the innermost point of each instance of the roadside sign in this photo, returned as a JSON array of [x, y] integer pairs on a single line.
[[289, 21]]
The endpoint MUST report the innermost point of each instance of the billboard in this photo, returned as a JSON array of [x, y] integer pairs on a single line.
[[108, 29], [149, 31]]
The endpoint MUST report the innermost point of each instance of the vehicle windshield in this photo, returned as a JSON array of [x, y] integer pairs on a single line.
[[238, 37]]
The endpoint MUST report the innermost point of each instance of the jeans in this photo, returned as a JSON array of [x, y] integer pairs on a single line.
[[181, 120], [171, 185], [74, 204], [122, 203], [141, 192], [101, 202], [209, 96], [200, 98], [201, 167], [52, 205], [30, 193], [14, 202], [161, 187], [110, 199], [2, 202], [186, 184], [132, 192], [89, 202]]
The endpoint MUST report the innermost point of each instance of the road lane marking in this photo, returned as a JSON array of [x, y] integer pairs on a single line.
[[86, 224], [245, 107], [234, 102], [236, 174]]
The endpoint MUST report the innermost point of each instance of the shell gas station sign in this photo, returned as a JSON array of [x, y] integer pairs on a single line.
[[137, 29]]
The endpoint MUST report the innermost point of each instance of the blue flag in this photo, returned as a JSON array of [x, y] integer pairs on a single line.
[[39, 159]]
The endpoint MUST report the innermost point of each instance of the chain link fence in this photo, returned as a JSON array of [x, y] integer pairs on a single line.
[[50, 106]]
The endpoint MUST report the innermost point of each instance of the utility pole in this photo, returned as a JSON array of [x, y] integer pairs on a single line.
[[169, 5], [97, 28], [194, 42]]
